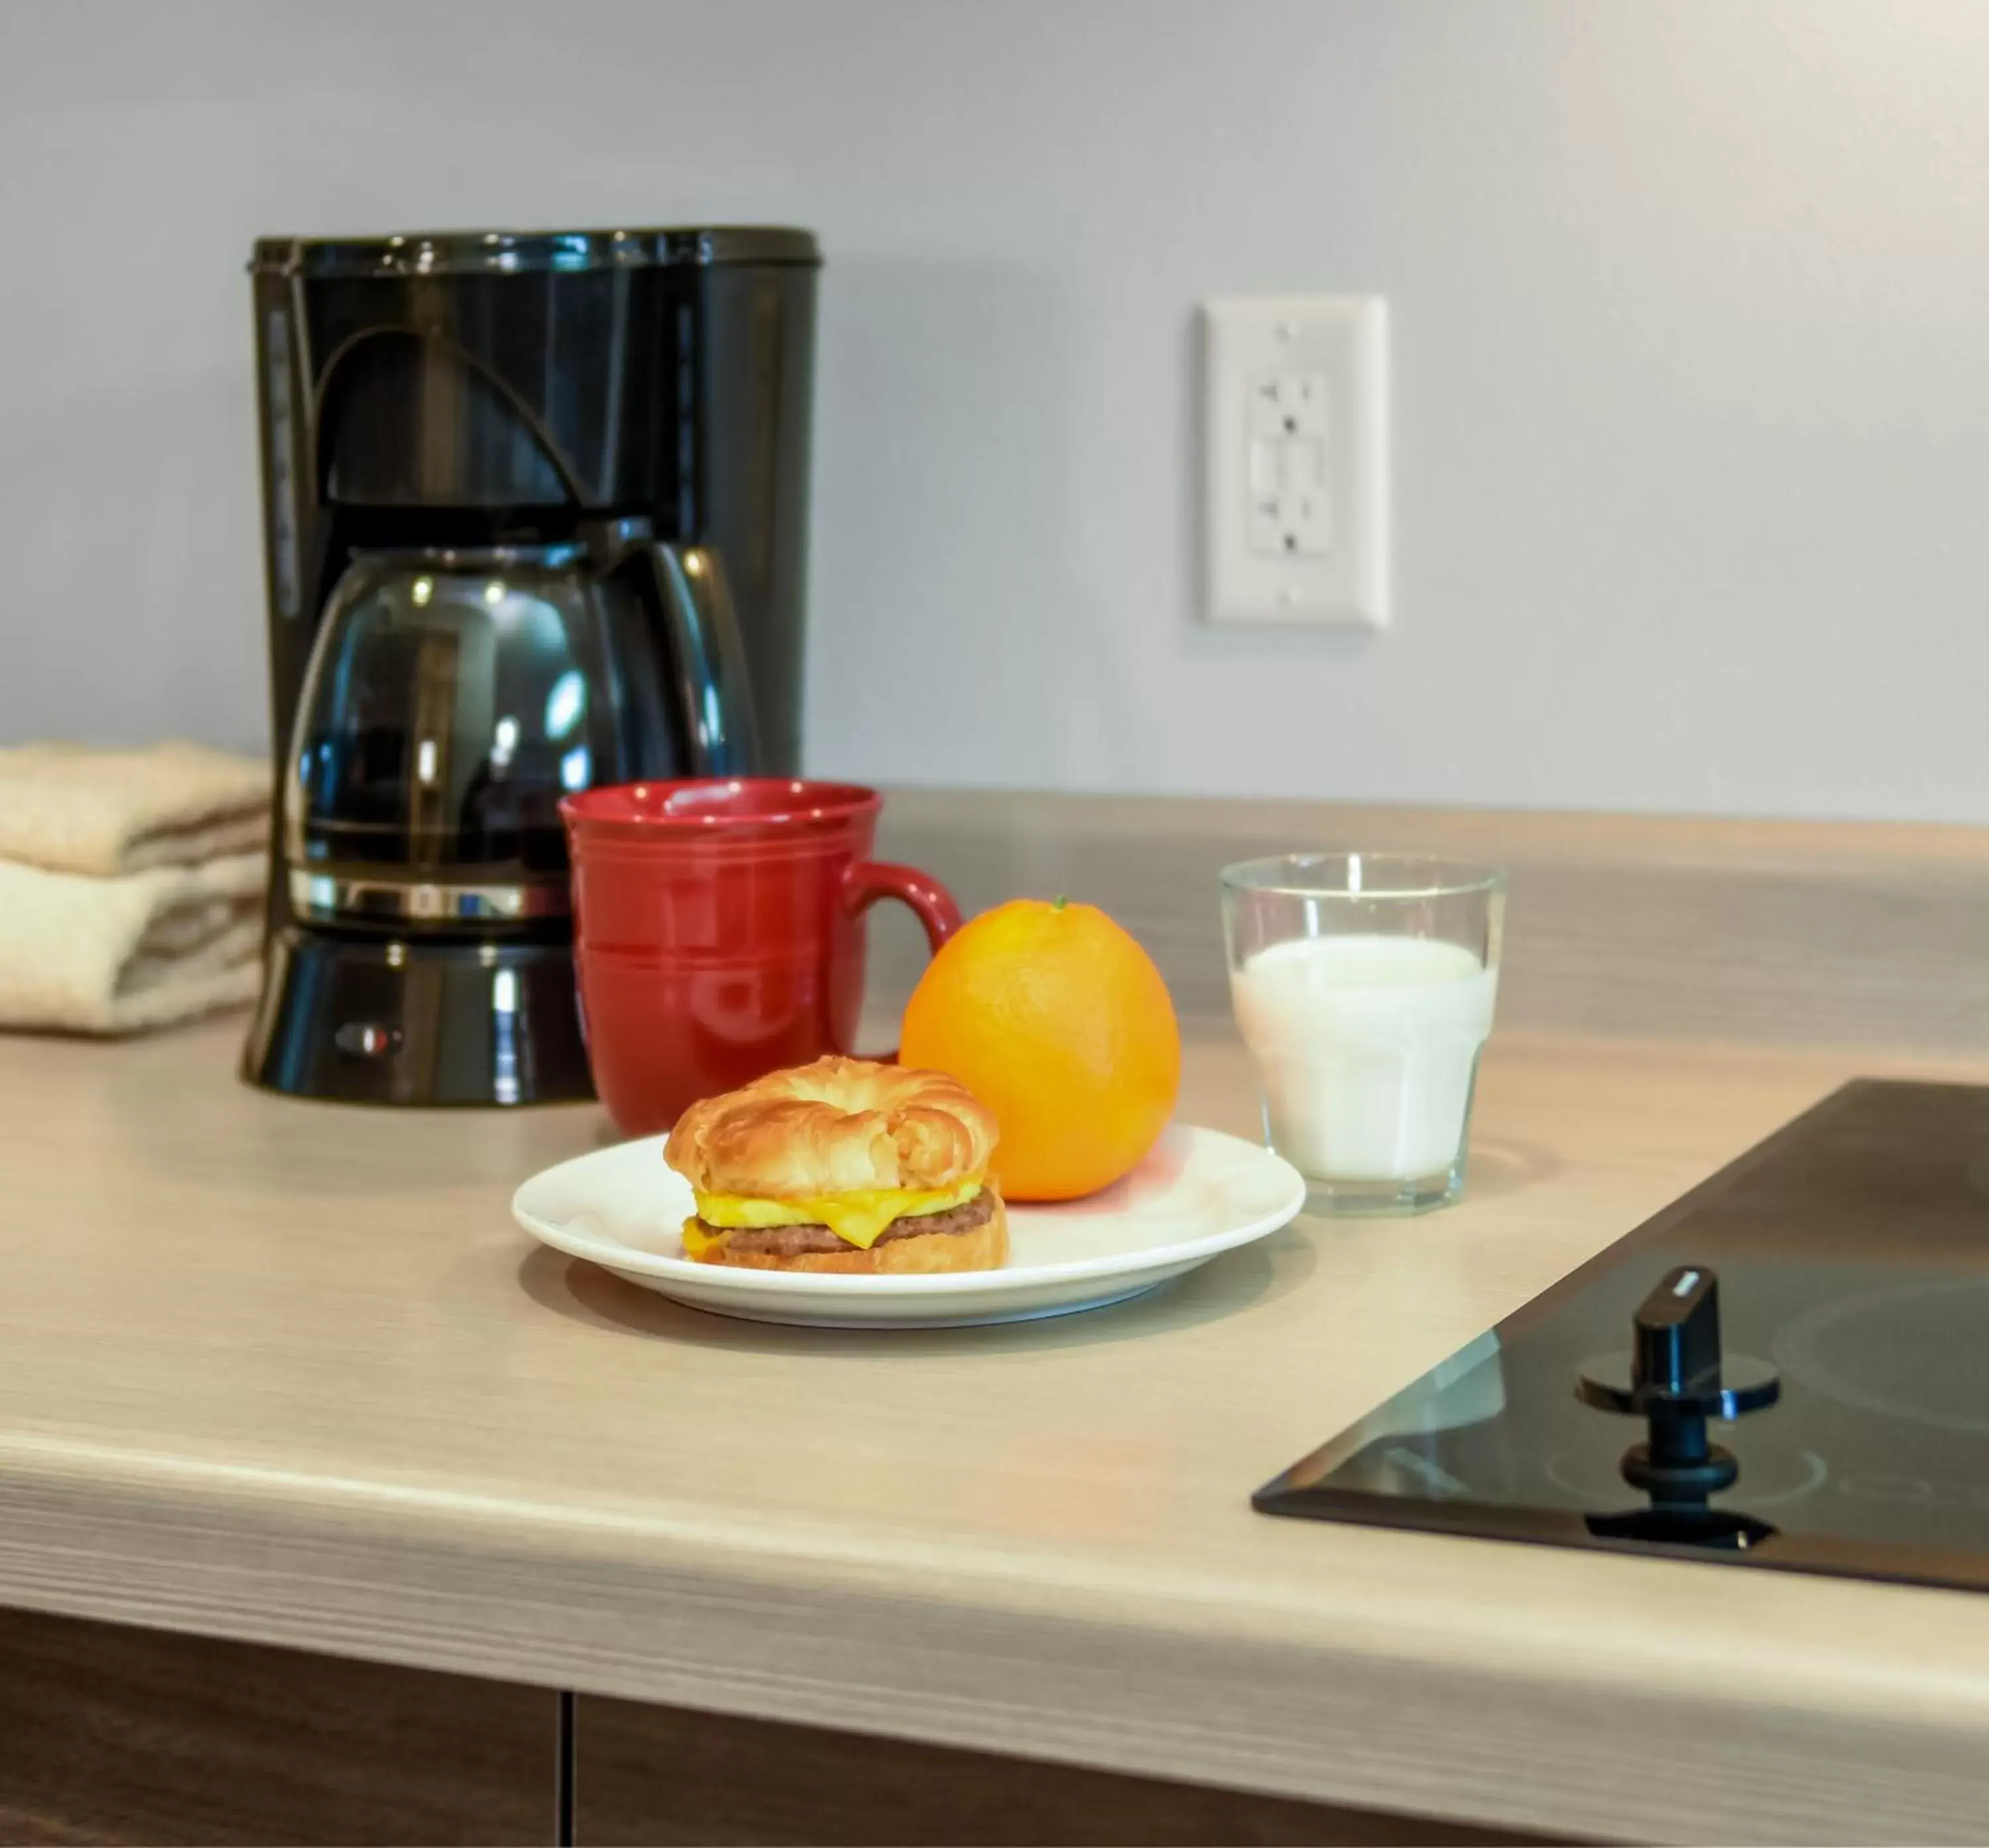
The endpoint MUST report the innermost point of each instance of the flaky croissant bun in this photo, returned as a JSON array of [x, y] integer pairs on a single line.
[[838, 1126]]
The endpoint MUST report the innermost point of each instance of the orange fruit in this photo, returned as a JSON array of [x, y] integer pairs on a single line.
[[1059, 1023]]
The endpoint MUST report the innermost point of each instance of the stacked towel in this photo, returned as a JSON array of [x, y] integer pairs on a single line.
[[131, 884]]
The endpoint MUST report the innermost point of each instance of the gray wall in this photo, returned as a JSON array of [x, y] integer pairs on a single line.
[[1692, 361]]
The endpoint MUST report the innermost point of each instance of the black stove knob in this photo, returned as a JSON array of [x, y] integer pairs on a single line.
[[1678, 1336], [1676, 1378]]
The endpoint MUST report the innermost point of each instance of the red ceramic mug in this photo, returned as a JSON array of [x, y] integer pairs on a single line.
[[719, 932]]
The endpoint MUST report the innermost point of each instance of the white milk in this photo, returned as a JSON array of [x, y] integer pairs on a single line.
[[1365, 1045]]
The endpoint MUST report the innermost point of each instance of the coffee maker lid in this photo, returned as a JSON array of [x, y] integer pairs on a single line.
[[519, 252]]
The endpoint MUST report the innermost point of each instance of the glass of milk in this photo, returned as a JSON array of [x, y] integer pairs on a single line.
[[1364, 985]]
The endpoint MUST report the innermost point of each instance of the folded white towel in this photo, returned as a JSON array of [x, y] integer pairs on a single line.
[[73, 808], [116, 954]]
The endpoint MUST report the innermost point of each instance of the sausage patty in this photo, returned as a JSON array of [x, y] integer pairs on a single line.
[[792, 1241]]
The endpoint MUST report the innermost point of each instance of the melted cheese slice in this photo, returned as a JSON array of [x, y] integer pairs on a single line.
[[857, 1219]]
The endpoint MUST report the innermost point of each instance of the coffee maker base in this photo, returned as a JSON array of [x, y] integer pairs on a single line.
[[361, 1020]]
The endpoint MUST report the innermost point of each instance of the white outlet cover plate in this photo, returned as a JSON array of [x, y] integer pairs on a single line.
[[1297, 462]]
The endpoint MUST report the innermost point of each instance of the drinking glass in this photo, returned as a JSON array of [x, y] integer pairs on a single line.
[[1364, 985]]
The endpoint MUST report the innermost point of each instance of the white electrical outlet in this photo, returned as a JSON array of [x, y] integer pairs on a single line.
[[1297, 462]]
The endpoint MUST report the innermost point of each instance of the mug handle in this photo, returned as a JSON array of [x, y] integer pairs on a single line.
[[868, 880]]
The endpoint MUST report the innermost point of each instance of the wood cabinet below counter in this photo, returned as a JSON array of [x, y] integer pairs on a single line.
[[668, 1775], [110, 1735], [113, 1735]]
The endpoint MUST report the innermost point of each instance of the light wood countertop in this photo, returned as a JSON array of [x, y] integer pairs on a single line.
[[287, 1372]]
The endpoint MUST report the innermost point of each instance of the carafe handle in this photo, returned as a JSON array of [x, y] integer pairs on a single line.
[[707, 655]]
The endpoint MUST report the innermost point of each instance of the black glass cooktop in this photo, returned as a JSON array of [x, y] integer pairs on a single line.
[[1829, 1291]]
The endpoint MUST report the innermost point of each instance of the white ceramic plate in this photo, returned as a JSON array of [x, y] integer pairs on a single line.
[[1199, 1193]]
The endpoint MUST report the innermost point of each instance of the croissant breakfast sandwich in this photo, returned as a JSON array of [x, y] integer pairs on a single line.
[[842, 1166]]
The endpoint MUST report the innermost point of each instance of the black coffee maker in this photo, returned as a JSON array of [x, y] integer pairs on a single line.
[[535, 519]]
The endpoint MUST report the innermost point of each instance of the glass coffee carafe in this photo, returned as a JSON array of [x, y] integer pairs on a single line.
[[455, 695]]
